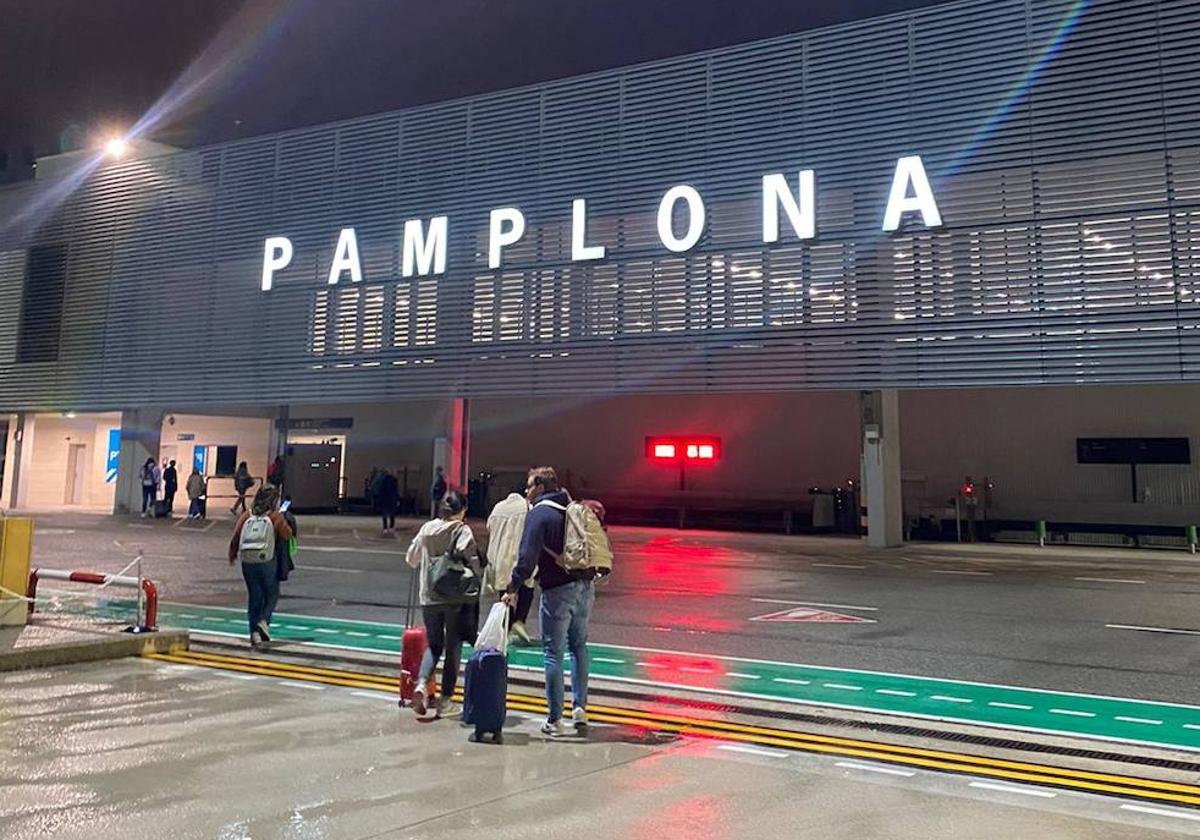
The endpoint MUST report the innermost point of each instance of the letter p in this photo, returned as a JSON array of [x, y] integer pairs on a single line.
[[277, 254]]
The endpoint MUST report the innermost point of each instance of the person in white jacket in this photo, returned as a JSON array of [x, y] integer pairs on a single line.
[[505, 526]]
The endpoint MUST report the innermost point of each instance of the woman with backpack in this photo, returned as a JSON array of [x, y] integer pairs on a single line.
[[150, 476], [255, 536], [450, 570], [242, 482]]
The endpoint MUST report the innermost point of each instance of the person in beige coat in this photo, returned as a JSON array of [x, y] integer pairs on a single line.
[[505, 525]]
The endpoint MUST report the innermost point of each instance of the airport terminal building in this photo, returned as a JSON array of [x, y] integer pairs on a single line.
[[958, 241]]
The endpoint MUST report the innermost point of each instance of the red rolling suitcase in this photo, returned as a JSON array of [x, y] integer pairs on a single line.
[[412, 646]]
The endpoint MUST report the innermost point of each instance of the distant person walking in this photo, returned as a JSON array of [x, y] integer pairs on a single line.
[[197, 491], [170, 486], [505, 525], [242, 482], [275, 472], [149, 475], [449, 566], [567, 595], [437, 492], [385, 491], [255, 535]]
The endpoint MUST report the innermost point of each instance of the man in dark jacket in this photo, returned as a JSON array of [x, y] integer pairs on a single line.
[[567, 597], [170, 486]]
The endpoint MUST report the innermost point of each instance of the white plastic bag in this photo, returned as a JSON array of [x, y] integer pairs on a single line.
[[495, 630]]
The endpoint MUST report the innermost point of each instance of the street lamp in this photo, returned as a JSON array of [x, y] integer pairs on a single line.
[[116, 147]]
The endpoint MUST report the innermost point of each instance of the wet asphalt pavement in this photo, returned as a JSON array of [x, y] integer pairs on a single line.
[[999, 614]]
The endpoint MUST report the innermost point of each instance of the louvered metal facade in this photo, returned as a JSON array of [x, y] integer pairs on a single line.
[[1062, 138]]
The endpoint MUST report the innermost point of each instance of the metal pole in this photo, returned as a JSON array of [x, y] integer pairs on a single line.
[[140, 623], [958, 518]]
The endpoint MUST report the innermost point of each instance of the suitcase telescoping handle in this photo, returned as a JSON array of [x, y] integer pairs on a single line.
[[413, 577]]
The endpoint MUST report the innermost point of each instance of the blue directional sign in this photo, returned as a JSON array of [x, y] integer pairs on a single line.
[[114, 455]]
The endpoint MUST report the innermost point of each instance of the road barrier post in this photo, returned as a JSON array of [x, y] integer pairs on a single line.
[[16, 544], [1041, 533], [1191, 538]]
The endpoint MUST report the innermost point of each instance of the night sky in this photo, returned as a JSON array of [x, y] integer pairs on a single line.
[[220, 69]]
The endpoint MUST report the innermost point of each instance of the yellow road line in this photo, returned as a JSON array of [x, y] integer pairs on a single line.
[[721, 730]]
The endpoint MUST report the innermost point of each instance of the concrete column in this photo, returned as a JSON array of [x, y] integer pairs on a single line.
[[19, 451], [882, 494], [279, 433], [458, 444], [141, 434]]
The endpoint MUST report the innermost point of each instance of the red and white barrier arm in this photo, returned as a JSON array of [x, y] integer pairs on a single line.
[[145, 584]]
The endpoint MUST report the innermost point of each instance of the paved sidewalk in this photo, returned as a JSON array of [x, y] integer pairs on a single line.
[[138, 749]]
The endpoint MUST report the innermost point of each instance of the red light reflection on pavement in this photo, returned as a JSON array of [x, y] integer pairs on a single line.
[[683, 670], [672, 567], [698, 816]]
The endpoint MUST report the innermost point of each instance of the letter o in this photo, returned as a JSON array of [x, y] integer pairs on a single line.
[[666, 211]]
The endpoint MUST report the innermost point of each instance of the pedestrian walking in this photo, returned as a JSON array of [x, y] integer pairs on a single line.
[[505, 525], [255, 536], [565, 544], [285, 559], [170, 486], [449, 564], [149, 475], [197, 491], [385, 491], [275, 472], [242, 482], [437, 492]]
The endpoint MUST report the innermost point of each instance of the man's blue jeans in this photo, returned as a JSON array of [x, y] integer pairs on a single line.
[[565, 612]]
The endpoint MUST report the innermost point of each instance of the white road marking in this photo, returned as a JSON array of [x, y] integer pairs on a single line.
[[1161, 812], [1072, 712], [357, 633], [42, 532], [1043, 794], [1109, 580], [188, 615], [752, 751], [1178, 631], [813, 604], [742, 676], [1191, 726], [787, 681], [838, 565], [842, 686], [946, 699], [233, 676], [389, 638], [176, 667], [894, 693], [1147, 721], [324, 630], [214, 618], [295, 684], [607, 659], [959, 572], [339, 549], [1020, 706], [374, 695], [307, 568], [690, 670], [867, 768]]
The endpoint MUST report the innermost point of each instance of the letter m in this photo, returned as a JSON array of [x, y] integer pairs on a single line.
[[424, 254]]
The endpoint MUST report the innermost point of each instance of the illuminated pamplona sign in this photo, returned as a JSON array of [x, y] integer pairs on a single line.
[[425, 244]]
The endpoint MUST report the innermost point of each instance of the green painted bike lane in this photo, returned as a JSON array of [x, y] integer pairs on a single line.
[[1009, 707]]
